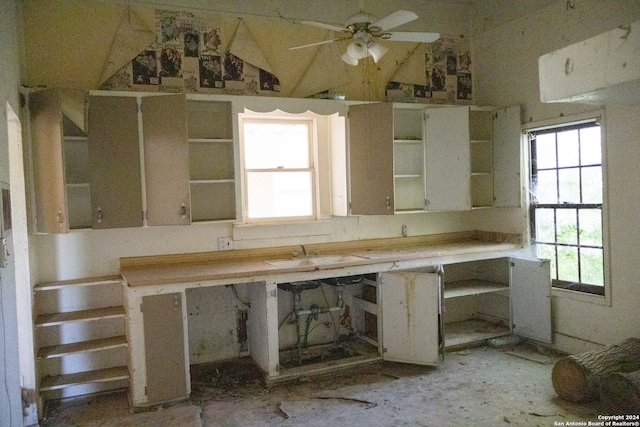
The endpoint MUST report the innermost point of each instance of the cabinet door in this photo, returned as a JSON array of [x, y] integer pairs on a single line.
[[506, 157], [166, 159], [448, 159], [48, 171], [114, 162], [530, 297], [164, 347], [409, 304], [371, 159]]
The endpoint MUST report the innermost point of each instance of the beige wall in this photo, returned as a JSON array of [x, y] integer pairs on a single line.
[[506, 72]]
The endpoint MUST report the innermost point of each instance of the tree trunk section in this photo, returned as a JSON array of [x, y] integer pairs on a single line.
[[578, 377], [620, 393]]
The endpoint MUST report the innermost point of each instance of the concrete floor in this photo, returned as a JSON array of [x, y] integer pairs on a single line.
[[477, 387]]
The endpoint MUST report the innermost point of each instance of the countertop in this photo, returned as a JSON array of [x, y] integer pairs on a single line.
[[248, 263]]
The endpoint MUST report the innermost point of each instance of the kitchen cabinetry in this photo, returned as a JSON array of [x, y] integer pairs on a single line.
[[409, 306], [495, 157], [80, 336], [407, 158], [164, 348], [211, 160], [45, 116], [114, 162], [495, 297], [166, 159], [412, 158]]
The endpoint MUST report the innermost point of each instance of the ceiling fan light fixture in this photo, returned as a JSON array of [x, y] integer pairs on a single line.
[[357, 49], [349, 59], [376, 50]]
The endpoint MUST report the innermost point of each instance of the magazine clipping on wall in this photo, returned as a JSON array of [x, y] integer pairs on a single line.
[[187, 57], [448, 75]]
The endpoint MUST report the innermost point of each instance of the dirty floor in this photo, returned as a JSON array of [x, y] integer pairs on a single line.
[[482, 386]]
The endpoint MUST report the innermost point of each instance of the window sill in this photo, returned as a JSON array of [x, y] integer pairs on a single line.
[[583, 296]]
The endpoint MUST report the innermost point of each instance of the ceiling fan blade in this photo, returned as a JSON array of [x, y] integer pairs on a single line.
[[400, 36], [323, 25], [396, 19], [314, 44]]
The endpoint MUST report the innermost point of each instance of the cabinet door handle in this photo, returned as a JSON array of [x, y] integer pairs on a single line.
[[183, 211], [99, 210], [60, 217], [388, 202]]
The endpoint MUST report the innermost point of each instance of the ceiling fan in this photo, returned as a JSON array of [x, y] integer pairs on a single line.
[[364, 28]]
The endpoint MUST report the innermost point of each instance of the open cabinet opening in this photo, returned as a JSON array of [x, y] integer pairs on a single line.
[[327, 324]]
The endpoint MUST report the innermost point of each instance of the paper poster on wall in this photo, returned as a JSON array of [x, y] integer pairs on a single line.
[[447, 74], [188, 56]]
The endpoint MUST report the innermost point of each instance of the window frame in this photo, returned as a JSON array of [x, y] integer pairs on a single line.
[[578, 120], [312, 167]]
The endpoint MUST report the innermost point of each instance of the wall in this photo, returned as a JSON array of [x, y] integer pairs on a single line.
[[507, 39], [10, 392]]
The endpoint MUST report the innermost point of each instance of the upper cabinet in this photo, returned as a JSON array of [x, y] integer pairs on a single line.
[[143, 160], [114, 162], [166, 160], [45, 116], [414, 158], [211, 160]]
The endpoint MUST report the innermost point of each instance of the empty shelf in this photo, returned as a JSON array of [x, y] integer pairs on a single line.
[[67, 380], [79, 316], [471, 287], [93, 281], [61, 350]]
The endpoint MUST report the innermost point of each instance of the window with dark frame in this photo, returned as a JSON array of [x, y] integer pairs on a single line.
[[565, 204]]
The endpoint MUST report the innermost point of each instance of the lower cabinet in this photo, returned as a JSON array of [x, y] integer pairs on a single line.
[[164, 333], [496, 297]]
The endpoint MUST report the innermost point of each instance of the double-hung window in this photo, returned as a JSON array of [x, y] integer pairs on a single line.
[[279, 169], [566, 193]]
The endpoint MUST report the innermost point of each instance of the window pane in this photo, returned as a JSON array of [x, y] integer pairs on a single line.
[[567, 228], [592, 184], [569, 186], [546, 151], [545, 231], [548, 252], [568, 148], [590, 146], [276, 145], [279, 194], [545, 190], [591, 227], [591, 266], [568, 264]]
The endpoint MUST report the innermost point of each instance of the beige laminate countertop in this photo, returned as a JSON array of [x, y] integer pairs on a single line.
[[250, 263]]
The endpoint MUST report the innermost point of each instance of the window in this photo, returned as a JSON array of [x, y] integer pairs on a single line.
[[566, 204], [279, 168]]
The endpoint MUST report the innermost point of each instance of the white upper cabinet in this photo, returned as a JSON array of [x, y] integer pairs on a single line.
[[447, 158]]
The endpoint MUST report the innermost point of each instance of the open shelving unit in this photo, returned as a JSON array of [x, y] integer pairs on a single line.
[[211, 160], [91, 332], [408, 160], [476, 302], [481, 140]]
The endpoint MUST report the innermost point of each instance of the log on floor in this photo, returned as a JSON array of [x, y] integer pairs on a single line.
[[578, 377], [620, 393]]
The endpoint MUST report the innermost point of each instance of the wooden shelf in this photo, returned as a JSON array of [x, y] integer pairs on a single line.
[[61, 350], [79, 316], [102, 375], [94, 281], [468, 333], [472, 287]]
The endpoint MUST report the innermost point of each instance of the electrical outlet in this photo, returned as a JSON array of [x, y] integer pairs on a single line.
[[225, 243]]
